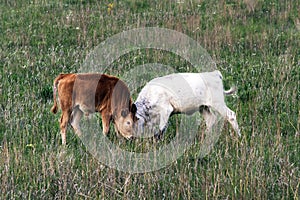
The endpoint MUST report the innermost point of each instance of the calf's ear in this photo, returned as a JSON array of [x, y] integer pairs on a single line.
[[133, 108]]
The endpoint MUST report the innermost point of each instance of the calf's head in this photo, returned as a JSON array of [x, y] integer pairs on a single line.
[[124, 121], [123, 110]]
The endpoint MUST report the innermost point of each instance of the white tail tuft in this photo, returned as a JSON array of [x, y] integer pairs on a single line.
[[231, 91]]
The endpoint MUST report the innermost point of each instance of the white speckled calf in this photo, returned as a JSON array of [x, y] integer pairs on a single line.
[[183, 93]]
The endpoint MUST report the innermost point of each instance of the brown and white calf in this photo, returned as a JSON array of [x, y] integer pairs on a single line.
[[88, 93], [183, 93]]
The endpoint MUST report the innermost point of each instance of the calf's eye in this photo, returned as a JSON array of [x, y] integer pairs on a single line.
[[124, 113]]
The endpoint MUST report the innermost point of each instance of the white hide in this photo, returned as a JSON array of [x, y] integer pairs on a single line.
[[182, 93]]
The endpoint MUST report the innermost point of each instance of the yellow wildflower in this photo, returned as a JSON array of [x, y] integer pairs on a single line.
[[110, 6]]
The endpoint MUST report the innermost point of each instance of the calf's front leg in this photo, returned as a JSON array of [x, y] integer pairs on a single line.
[[76, 117], [106, 118], [165, 113]]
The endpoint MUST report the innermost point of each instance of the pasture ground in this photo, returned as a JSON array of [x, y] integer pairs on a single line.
[[256, 45]]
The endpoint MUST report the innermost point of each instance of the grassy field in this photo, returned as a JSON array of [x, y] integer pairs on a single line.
[[256, 45]]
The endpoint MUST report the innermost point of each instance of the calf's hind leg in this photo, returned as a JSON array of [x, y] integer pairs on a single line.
[[230, 117], [209, 117], [64, 120]]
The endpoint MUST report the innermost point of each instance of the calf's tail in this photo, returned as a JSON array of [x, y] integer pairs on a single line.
[[231, 91], [55, 83]]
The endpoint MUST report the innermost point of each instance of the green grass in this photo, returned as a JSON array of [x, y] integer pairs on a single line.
[[256, 48]]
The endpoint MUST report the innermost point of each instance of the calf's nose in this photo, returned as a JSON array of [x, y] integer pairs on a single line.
[[131, 137]]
